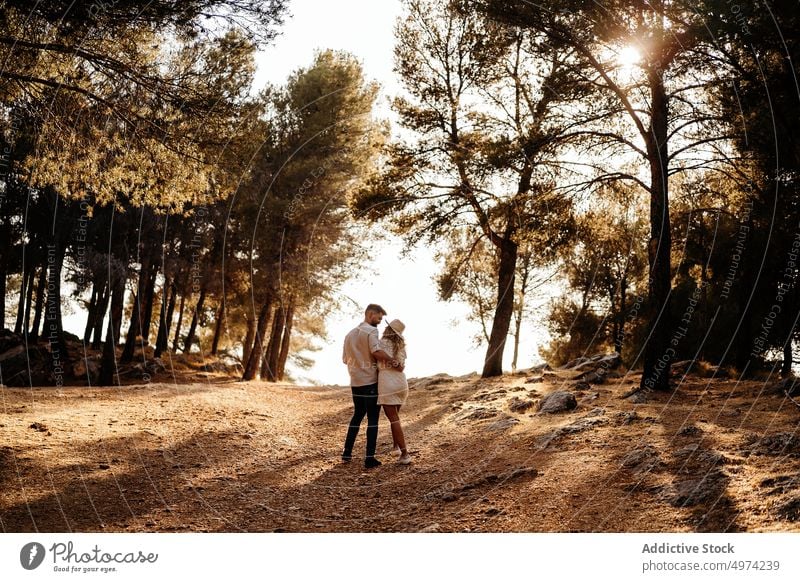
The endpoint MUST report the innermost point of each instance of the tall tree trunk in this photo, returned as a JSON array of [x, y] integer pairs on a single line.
[[786, 366], [108, 364], [149, 298], [493, 365], [26, 283], [178, 325], [26, 323], [274, 348], [135, 327], [658, 353], [100, 315], [173, 296], [3, 275], [96, 305], [218, 328], [118, 323], [198, 309], [165, 319], [519, 312], [517, 325], [254, 359], [162, 317], [287, 337], [91, 313], [53, 323], [5, 248], [130, 337], [264, 359], [247, 346], [37, 317]]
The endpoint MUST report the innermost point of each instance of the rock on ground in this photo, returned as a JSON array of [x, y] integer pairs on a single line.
[[558, 401]]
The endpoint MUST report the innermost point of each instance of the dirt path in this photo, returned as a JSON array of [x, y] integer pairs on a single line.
[[259, 457]]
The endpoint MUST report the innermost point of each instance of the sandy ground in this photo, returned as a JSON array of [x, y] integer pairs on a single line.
[[227, 456]]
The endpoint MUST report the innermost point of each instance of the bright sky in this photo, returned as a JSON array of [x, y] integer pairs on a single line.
[[363, 28], [439, 337]]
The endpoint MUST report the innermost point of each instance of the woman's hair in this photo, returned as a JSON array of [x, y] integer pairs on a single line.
[[397, 342]]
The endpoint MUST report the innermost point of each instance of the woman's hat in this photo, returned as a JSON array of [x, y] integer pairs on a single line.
[[398, 327]]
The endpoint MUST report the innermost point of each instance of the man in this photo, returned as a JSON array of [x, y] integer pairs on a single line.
[[361, 354]]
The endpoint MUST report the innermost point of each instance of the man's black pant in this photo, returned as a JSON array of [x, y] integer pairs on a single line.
[[365, 400]]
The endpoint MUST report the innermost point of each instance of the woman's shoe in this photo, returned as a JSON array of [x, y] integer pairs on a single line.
[[397, 452], [404, 459]]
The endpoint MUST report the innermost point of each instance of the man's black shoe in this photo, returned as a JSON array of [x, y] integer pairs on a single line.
[[371, 463], [347, 458]]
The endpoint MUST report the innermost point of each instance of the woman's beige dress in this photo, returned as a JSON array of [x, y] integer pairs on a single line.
[[392, 384]]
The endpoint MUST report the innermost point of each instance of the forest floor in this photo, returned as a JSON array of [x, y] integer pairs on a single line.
[[217, 455]]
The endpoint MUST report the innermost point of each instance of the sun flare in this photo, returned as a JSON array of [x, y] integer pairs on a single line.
[[628, 57]]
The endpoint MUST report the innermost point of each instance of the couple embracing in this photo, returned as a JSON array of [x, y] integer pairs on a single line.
[[376, 367]]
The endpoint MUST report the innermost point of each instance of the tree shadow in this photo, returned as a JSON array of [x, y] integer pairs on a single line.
[[393, 497], [468, 475], [164, 490], [693, 476]]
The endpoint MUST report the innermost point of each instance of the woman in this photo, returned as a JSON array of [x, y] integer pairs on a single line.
[[393, 386]]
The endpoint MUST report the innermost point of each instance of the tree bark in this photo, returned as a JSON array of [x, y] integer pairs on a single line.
[[100, 315], [135, 328], [37, 317], [170, 310], [274, 348], [517, 325], [26, 323], [786, 365], [520, 309], [264, 358], [218, 328], [162, 316], [108, 365], [149, 297], [165, 319], [5, 247], [118, 324], [198, 309], [493, 364], [91, 312], [130, 338], [26, 284], [3, 275], [658, 353], [247, 345], [287, 336], [178, 325], [254, 358]]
